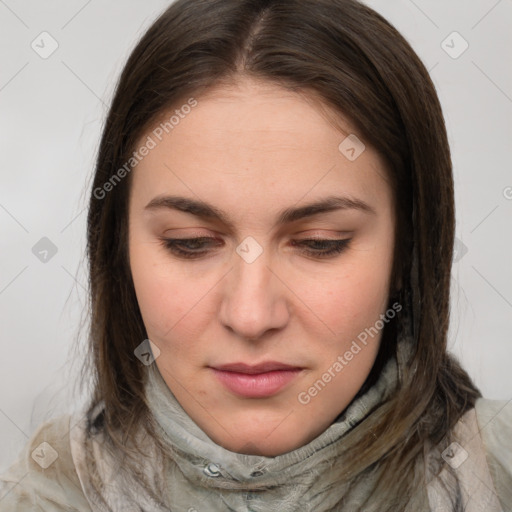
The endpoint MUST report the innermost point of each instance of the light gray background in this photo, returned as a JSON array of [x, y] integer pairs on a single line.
[[51, 116]]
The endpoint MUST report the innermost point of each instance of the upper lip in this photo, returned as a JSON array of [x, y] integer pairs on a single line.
[[268, 366]]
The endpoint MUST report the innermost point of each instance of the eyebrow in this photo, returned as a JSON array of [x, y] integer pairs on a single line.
[[207, 211]]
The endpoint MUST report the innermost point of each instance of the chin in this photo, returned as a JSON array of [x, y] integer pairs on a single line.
[[266, 438], [262, 445]]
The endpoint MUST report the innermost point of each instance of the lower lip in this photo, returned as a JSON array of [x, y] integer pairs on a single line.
[[259, 385]]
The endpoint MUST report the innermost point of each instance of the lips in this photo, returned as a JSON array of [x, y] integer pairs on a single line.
[[269, 366], [256, 381]]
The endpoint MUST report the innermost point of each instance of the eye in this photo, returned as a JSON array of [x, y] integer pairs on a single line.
[[322, 248], [190, 247], [193, 248]]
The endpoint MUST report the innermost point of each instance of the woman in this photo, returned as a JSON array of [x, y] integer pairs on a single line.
[[273, 208]]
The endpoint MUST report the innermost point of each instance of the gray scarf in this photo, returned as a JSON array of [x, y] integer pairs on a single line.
[[194, 474]]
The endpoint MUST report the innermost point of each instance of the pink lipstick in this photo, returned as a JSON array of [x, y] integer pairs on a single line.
[[256, 381]]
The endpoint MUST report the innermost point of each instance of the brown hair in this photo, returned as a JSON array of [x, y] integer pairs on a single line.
[[363, 69]]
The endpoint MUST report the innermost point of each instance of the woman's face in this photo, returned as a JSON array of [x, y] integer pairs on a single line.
[[268, 301]]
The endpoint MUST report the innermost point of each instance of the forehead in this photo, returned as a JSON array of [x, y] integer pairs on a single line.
[[257, 142]]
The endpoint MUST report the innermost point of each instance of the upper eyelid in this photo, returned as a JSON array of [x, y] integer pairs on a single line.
[[299, 240], [208, 239], [334, 249]]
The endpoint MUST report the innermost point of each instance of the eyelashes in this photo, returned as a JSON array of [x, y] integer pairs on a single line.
[[322, 247], [195, 248], [189, 247]]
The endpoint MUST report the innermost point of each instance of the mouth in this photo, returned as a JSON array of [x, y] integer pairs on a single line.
[[256, 381]]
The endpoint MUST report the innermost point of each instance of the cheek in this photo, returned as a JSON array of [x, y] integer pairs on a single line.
[[349, 301], [168, 300], [351, 307], [351, 293]]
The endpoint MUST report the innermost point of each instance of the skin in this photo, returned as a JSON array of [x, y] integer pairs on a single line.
[[252, 149]]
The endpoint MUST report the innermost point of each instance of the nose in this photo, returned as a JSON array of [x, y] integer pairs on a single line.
[[253, 299]]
